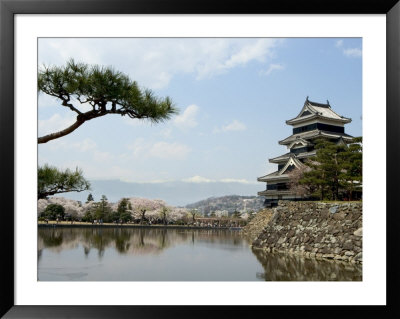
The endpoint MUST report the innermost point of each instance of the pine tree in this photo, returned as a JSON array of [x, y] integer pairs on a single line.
[[107, 92], [352, 173], [102, 210], [334, 168], [53, 181], [90, 198]]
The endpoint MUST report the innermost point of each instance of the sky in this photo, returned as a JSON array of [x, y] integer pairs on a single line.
[[233, 95]]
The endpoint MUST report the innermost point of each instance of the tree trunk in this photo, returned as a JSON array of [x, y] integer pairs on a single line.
[[142, 219], [80, 119], [53, 136]]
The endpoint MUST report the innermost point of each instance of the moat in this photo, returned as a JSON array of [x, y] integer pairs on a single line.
[[163, 254]]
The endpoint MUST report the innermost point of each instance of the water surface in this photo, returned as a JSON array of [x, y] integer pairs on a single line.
[[160, 254]]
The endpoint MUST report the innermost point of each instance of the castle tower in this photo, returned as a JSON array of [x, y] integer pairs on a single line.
[[314, 121]]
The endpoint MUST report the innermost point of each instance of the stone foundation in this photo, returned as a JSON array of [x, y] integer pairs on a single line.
[[315, 230], [253, 229]]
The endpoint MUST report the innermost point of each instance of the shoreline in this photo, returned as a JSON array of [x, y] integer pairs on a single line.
[[308, 255], [89, 225]]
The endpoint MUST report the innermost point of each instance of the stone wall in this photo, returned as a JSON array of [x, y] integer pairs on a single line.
[[315, 230], [255, 226]]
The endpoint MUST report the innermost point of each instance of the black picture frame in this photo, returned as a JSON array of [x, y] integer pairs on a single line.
[[9, 8]]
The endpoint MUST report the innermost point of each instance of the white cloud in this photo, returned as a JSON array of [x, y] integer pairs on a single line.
[[258, 50], [154, 62], [86, 145], [139, 147], [166, 133], [54, 51], [339, 43], [235, 125], [169, 150], [200, 179], [188, 118], [45, 100], [82, 146], [228, 54], [136, 122], [273, 67], [55, 123], [352, 52], [234, 180], [349, 52], [163, 150]]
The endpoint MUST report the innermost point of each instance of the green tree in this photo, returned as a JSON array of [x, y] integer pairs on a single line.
[[335, 167], [236, 214], [102, 210], [105, 90], [87, 217], [326, 167], [90, 198], [164, 213], [352, 173], [194, 213], [125, 217], [124, 210], [123, 205], [53, 211], [53, 181]]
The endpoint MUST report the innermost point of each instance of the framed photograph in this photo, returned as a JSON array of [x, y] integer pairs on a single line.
[[212, 98]]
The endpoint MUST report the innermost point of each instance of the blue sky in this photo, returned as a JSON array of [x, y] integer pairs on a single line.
[[234, 95]]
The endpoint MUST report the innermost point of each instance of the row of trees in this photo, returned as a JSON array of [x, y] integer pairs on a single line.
[[334, 173], [137, 210]]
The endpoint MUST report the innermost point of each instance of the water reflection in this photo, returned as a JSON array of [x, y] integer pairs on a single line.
[[157, 254], [283, 267], [139, 241]]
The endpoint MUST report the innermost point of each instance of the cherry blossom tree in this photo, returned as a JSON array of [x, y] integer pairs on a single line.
[[142, 205], [179, 214], [294, 182], [72, 208], [164, 213]]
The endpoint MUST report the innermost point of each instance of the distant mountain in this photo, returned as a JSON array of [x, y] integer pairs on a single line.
[[229, 203], [175, 193]]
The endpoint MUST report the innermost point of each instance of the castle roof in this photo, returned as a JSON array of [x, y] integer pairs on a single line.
[[315, 134], [282, 173], [312, 110], [285, 157]]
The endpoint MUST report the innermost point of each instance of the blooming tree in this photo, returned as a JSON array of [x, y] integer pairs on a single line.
[[72, 208], [178, 213], [294, 181], [141, 206], [164, 213]]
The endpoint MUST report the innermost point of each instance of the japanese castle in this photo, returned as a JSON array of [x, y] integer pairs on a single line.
[[314, 121]]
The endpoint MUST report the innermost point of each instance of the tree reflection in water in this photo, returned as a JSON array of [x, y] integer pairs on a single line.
[[122, 237], [213, 252], [283, 267], [129, 240], [53, 238]]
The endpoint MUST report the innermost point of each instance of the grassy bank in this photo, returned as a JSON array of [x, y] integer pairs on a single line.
[[106, 225]]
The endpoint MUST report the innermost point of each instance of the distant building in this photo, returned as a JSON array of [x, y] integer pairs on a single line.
[[315, 120], [221, 213]]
